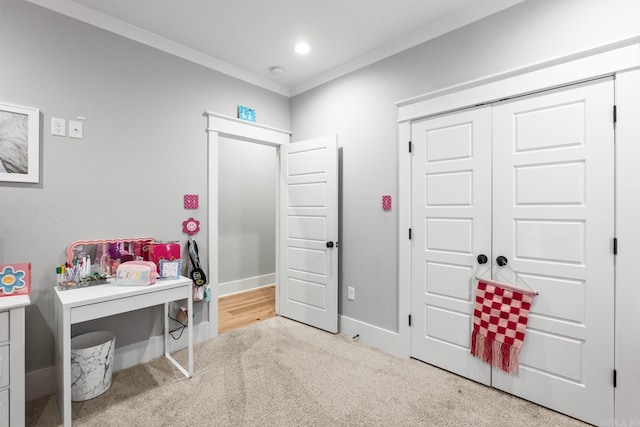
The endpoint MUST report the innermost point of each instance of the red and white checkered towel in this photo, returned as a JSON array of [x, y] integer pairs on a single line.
[[499, 323]]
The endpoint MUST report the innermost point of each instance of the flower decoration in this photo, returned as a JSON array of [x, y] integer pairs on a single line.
[[191, 226], [11, 279]]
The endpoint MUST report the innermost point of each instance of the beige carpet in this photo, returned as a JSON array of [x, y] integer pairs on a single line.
[[282, 373]]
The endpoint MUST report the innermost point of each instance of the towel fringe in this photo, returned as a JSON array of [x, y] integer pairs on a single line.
[[500, 355]]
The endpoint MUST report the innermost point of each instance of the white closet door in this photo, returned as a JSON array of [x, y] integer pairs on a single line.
[[309, 232], [553, 218], [451, 220]]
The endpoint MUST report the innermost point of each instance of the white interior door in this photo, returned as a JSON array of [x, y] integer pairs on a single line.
[[308, 274], [553, 218], [451, 220]]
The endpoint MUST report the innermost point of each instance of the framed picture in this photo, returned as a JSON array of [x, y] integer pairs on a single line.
[[19, 143], [15, 279], [170, 269]]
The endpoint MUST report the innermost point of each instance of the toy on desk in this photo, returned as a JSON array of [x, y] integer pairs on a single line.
[[170, 269], [136, 273], [78, 275], [159, 251], [116, 254]]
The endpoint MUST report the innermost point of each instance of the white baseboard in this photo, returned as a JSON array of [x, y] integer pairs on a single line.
[[42, 382], [249, 283], [385, 340]]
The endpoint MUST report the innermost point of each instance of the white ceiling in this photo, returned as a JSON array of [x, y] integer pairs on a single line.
[[247, 38]]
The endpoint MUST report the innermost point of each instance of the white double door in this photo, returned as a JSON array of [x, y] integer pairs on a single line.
[[531, 179]]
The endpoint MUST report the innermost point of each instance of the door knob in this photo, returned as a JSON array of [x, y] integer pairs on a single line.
[[329, 244], [502, 261], [482, 259]]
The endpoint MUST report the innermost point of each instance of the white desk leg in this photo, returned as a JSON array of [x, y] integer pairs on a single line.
[[187, 372], [165, 323], [63, 365]]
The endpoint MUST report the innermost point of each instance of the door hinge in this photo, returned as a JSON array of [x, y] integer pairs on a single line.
[[409, 234], [615, 378], [409, 320], [410, 147], [615, 114], [615, 246]]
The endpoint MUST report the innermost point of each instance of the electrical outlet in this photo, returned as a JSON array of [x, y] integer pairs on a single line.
[[351, 293], [58, 127]]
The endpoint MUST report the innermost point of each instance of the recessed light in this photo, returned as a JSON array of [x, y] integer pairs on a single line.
[[302, 48]]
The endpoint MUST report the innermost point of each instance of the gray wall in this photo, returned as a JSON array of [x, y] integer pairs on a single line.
[[144, 147], [360, 108], [145, 144], [246, 210]]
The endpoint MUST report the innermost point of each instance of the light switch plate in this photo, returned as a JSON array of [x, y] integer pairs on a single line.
[[58, 127], [75, 129], [386, 203]]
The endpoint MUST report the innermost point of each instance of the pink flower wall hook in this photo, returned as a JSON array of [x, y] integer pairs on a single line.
[[191, 226]]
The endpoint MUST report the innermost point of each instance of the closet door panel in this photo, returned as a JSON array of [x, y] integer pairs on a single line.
[[451, 220], [553, 218]]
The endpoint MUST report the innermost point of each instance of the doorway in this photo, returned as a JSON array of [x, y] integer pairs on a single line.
[[220, 126], [247, 232], [307, 194]]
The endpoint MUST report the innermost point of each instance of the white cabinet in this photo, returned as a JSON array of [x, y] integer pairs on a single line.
[[12, 390]]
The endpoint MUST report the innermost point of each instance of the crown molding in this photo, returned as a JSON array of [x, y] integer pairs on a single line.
[[108, 23], [428, 32]]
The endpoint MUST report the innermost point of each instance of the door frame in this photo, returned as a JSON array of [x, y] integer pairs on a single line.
[[621, 60], [220, 125]]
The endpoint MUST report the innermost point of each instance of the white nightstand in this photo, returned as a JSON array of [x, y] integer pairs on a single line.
[[12, 360]]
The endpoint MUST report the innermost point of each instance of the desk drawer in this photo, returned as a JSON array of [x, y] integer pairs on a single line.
[[4, 408], [4, 366], [4, 326], [121, 305]]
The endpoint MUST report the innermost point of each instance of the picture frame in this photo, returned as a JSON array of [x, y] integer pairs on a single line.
[[246, 113], [19, 143], [15, 279], [170, 269]]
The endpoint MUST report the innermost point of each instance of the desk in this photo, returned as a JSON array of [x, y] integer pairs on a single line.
[[80, 305]]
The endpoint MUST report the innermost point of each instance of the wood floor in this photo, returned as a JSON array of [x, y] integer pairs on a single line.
[[245, 308]]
